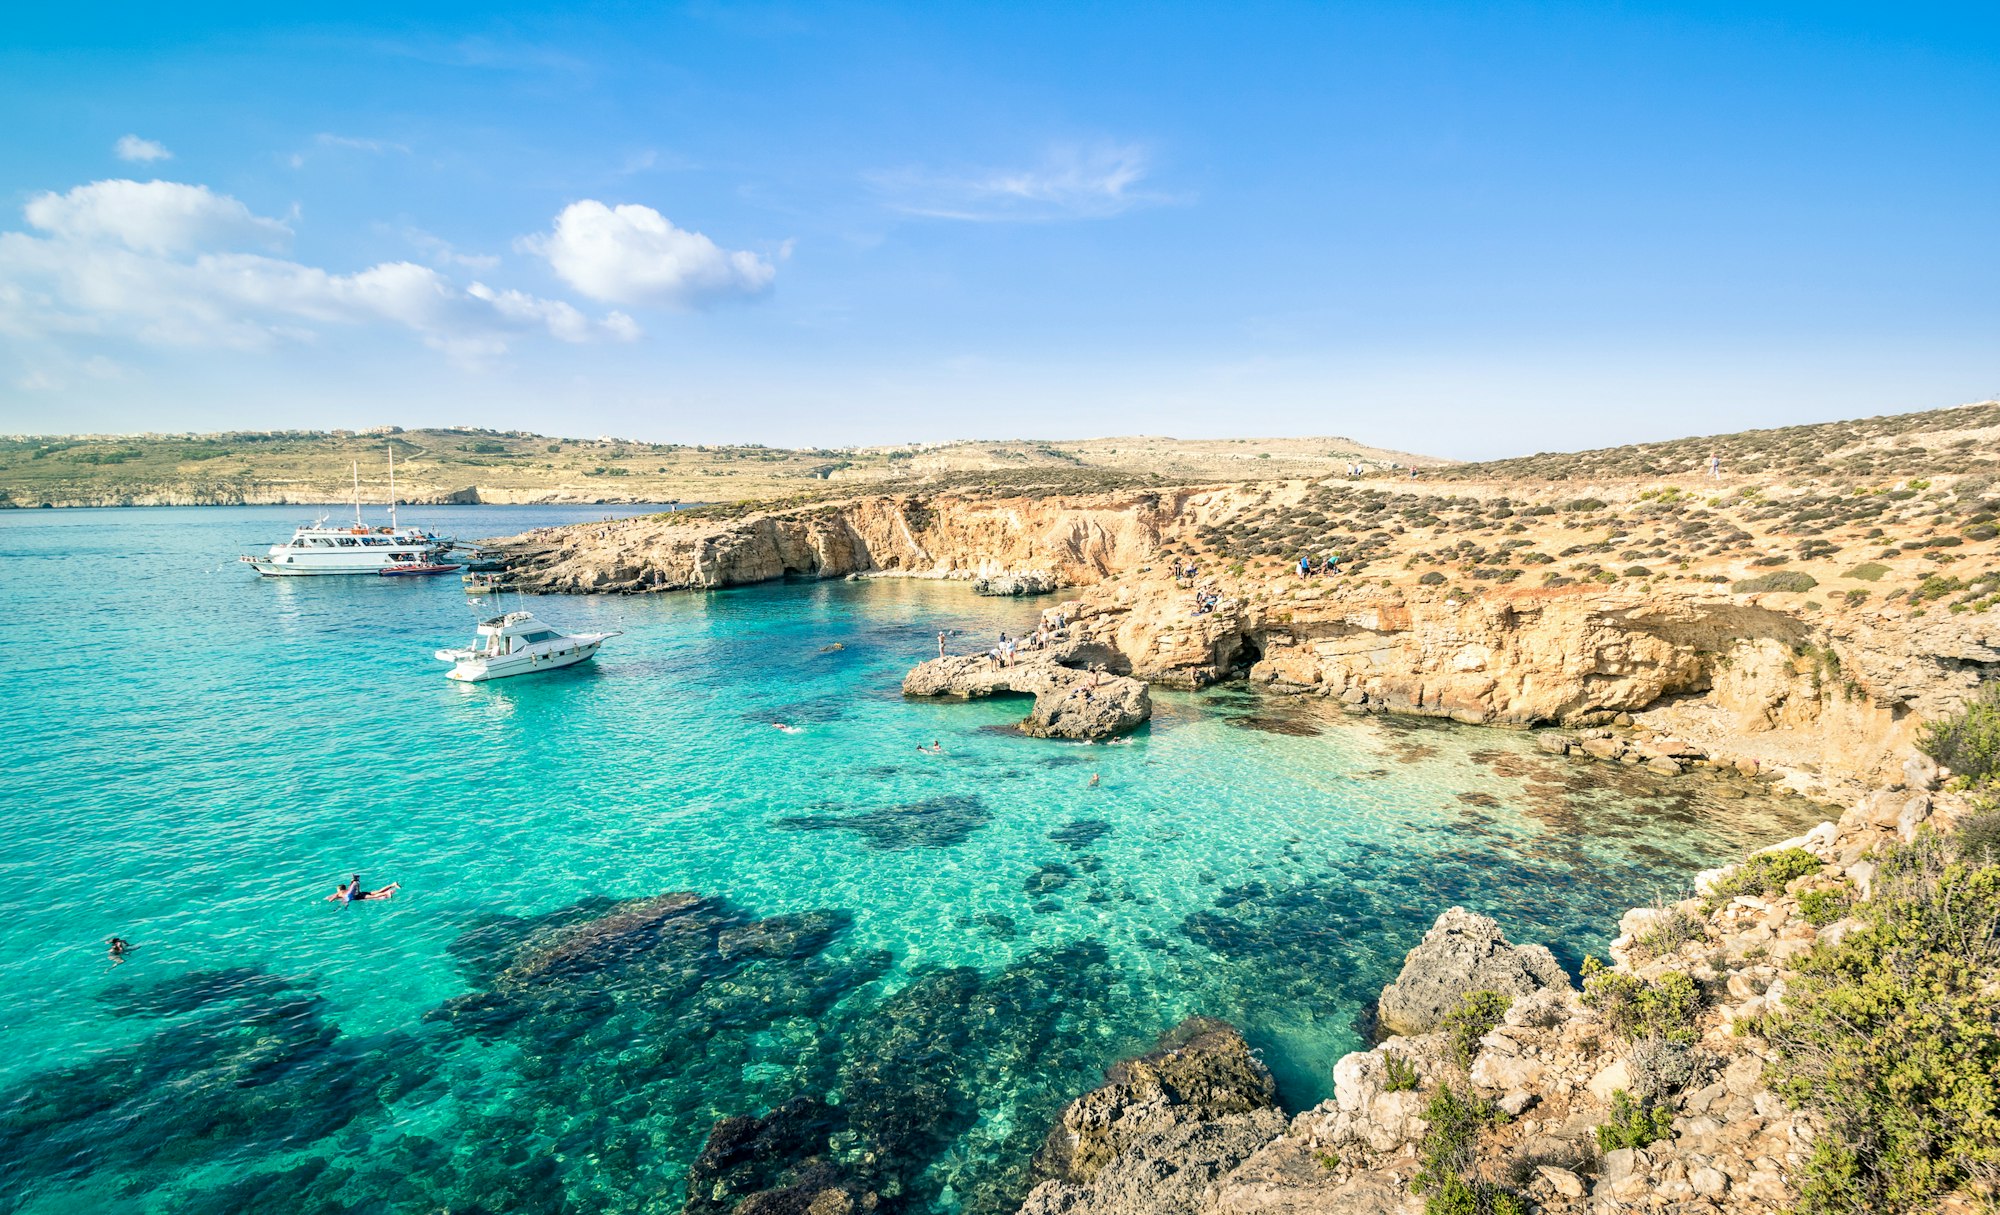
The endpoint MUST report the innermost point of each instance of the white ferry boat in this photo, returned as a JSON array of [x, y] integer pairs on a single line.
[[316, 548], [518, 644]]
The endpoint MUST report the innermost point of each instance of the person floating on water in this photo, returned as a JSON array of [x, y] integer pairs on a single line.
[[351, 892], [119, 948], [1094, 778]]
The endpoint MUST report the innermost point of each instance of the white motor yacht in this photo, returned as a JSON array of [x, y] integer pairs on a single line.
[[316, 548], [518, 644]]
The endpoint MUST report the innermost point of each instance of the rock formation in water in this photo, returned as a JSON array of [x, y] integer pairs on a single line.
[[1461, 954], [1074, 697], [1201, 1100]]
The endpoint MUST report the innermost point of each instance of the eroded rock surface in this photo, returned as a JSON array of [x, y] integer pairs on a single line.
[[1069, 702], [1163, 1129], [1461, 954]]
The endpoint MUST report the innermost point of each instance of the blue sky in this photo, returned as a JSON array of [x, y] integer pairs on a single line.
[[1468, 230]]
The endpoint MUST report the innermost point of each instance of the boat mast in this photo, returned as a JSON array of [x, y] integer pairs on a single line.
[[357, 493], [392, 487]]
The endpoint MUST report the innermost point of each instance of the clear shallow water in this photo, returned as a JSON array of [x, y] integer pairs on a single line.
[[200, 755]]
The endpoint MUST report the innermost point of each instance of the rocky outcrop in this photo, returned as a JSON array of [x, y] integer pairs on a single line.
[[1163, 1130], [1069, 702], [1463, 953], [1016, 545], [1017, 582]]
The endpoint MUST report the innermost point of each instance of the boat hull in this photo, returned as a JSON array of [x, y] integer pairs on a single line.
[[479, 670]]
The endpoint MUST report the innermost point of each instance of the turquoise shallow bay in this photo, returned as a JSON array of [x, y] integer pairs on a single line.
[[200, 755]]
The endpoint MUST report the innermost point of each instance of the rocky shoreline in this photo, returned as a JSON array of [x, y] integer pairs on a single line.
[[1543, 1070]]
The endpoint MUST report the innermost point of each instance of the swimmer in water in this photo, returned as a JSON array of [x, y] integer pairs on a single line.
[[351, 892], [779, 725], [119, 948], [1094, 778]]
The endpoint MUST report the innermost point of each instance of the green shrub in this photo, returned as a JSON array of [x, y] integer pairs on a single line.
[[1978, 838], [1892, 1037], [1822, 905], [1968, 742], [1764, 873], [1868, 571], [1476, 1015], [1452, 1122], [1431, 579], [1794, 582], [1670, 932], [1401, 1073], [1634, 1007], [1633, 1124]]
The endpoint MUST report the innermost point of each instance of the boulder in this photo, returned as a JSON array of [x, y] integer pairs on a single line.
[[1162, 1132], [1463, 953], [1016, 582]]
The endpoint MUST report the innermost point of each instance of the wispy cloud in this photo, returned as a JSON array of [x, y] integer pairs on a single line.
[[131, 147], [327, 141], [1070, 182], [441, 252]]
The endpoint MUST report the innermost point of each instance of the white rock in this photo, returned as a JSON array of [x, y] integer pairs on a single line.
[[1562, 1181], [1614, 1076], [1709, 1182], [1493, 1070]]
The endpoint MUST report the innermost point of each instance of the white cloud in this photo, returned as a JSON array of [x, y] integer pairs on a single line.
[[152, 217], [131, 147], [634, 255], [164, 264], [1071, 182]]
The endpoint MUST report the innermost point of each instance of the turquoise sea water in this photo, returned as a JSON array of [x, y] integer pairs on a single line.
[[925, 954]]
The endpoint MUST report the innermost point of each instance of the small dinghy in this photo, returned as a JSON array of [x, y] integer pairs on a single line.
[[415, 568], [518, 644]]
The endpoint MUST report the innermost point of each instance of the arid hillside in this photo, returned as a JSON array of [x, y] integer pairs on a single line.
[[469, 465]]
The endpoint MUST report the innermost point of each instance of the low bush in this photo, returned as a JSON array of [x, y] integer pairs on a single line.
[[1968, 742], [1453, 1121], [1633, 1124], [1892, 1037], [1476, 1015], [1671, 931], [1401, 1073], [1661, 1067], [1978, 838], [1822, 905], [1765, 873], [1868, 571], [1795, 582], [1634, 1008]]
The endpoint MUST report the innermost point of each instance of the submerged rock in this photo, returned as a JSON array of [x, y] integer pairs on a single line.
[[1163, 1129], [1463, 953]]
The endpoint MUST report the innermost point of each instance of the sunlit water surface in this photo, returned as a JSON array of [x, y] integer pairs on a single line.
[[198, 756]]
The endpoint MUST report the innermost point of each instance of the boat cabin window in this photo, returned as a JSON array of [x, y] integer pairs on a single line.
[[538, 635]]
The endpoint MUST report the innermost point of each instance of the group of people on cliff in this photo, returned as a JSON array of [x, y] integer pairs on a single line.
[[1325, 567]]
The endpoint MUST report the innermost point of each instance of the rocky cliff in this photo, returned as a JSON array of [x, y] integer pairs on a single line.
[[1699, 646]]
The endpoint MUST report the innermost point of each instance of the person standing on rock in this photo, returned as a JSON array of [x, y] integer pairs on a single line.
[[940, 643]]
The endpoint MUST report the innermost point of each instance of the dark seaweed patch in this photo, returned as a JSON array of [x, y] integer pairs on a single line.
[[937, 823], [1082, 833]]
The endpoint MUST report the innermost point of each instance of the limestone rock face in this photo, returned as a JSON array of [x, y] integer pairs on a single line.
[[1463, 953], [1162, 1130], [1069, 703], [1016, 582]]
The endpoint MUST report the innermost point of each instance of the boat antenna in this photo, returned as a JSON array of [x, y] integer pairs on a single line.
[[357, 493], [392, 487]]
